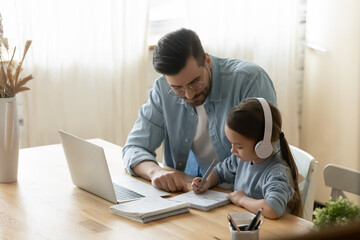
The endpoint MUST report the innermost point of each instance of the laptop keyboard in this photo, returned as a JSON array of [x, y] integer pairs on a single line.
[[123, 193]]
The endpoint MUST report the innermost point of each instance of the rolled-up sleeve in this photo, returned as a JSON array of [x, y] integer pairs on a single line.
[[146, 135]]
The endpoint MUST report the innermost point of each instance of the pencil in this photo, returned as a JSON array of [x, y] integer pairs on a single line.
[[258, 223], [254, 221], [207, 173], [233, 223]]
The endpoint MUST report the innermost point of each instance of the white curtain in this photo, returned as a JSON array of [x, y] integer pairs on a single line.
[[262, 31], [88, 59]]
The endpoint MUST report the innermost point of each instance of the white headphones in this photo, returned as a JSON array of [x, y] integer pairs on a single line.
[[264, 148]]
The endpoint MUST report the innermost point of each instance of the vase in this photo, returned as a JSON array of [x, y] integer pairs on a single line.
[[9, 140]]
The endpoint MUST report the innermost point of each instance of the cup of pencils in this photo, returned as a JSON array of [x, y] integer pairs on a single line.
[[244, 225]]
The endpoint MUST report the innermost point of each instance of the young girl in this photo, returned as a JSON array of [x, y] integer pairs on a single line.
[[259, 182]]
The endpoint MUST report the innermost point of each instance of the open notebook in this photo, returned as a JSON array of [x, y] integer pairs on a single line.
[[203, 201], [149, 209]]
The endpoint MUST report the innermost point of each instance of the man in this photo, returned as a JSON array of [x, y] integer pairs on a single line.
[[187, 109]]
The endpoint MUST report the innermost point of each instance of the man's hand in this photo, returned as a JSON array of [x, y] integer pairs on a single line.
[[169, 181]]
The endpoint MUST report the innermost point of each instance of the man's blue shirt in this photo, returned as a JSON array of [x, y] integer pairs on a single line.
[[166, 117]]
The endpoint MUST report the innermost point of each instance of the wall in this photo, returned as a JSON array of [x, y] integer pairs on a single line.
[[331, 95]]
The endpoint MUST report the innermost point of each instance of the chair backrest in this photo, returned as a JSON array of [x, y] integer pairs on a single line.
[[307, 167], [341, 179]]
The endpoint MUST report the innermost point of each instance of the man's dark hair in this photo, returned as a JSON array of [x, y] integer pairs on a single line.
[[174, 49]]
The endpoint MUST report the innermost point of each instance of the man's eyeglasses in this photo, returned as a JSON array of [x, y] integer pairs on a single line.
[[195, 85]]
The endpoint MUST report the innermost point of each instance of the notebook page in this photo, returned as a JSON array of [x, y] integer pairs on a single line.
[[147, 206], [206, 199]]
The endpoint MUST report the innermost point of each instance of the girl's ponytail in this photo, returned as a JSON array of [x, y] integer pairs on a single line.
[[286, 154]]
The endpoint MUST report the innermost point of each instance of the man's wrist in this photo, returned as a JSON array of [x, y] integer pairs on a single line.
[[146, 169], [152, 170]]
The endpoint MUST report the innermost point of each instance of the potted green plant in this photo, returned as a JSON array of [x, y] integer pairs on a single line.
[[336, 213]]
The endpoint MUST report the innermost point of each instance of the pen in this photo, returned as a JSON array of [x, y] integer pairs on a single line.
[[233, 223], [254, 221], [208, 171], [258, 224]]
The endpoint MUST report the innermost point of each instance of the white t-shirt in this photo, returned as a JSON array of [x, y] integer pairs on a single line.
[[202, 146]]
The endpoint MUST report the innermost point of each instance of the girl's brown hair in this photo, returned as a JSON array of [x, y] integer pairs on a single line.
[[247, 118]]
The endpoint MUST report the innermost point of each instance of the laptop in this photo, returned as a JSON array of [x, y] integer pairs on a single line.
[[89, 171]]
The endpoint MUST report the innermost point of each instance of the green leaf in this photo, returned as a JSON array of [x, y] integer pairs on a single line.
[[340, 212]]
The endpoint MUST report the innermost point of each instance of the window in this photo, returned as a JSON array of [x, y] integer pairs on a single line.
[[165, 16]]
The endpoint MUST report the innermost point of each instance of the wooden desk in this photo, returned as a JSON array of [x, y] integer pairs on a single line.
[[44, 204]]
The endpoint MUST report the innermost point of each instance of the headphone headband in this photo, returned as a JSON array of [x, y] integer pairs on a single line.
[[264, 148]]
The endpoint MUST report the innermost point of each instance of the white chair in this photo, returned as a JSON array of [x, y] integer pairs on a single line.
[[341, 179], [307, 167]]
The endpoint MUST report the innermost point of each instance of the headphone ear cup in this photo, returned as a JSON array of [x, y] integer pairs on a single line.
[[263, 149]]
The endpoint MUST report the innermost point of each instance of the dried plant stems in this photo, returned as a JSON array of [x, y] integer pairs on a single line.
[[10, 81]]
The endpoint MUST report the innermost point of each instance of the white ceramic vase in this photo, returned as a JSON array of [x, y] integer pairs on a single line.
[[9, 140]]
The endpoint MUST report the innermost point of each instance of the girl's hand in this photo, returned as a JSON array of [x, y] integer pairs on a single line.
[[237, 197], [196, 183]]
